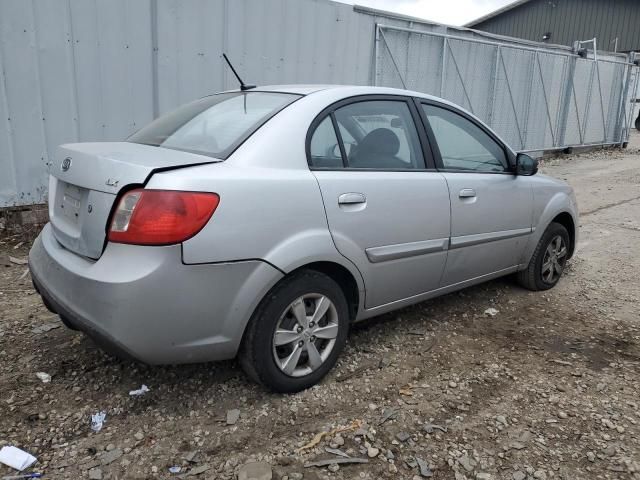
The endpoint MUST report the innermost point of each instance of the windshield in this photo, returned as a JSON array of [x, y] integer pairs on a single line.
[[214, 125]]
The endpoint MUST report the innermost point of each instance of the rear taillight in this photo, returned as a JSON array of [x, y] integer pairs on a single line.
[[161, 217]]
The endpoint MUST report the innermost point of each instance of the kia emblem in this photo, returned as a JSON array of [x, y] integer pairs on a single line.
[[66, 164]]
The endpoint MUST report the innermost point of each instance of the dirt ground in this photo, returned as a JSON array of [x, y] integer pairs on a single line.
[[547, 388]]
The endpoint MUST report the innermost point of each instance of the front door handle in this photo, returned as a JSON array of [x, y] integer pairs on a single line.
[[467, 193], [351, 198]]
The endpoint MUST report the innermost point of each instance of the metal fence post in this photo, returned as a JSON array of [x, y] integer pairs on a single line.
[[635, 75], [376, 54], [621, 123], [444, 66]]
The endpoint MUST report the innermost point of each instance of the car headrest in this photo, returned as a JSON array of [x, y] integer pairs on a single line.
[[380, 140]]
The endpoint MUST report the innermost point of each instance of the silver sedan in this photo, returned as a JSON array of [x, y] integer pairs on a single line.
[[262, 223]]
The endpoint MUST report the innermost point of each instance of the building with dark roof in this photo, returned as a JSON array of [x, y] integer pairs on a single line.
[[615, 23]]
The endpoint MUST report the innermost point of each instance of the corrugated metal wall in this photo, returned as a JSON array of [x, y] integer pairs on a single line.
[[570, 20], [93, 70]]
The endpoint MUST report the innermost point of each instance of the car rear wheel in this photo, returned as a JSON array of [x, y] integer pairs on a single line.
[[297, 333], [548, 261]]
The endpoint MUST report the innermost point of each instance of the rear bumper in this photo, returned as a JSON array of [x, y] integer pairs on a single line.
[[146, 304]]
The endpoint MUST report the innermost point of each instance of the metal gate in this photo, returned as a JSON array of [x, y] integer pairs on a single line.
[[536, 98]]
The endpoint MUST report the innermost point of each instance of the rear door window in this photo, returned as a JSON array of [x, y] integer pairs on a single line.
[[380, 134], [214, 125]]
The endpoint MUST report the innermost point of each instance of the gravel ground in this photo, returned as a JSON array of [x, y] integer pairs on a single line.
[[547, 388]]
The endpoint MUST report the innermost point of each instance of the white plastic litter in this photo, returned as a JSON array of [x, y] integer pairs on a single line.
[[175, 469], [141, 391], [45, 377], [16, 458], [97, 420], [492, 312]]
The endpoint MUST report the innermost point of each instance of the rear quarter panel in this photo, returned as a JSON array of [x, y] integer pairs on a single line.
[[270, 207]]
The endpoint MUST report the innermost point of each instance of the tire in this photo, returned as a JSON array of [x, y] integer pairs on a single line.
[[314, 348], [638, 123], [536, 276], [67, 323]]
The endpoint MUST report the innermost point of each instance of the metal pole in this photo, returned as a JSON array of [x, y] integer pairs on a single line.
[[487, 42], [636, 76], [622, 112], [444, 66], [376, 59], [604, 120]]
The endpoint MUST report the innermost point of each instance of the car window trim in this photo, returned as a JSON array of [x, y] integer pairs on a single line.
[[338, 134], [419, 101], [425, 147]]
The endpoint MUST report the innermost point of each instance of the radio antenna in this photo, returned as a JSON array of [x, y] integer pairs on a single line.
[[243, 86]]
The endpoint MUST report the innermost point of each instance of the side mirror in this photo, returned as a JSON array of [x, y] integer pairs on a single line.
[[525, 165]]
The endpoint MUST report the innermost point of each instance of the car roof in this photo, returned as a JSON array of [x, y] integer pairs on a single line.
[[339, 92], [348, 90]]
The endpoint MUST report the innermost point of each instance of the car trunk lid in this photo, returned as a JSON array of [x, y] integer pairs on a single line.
[[86, 179]]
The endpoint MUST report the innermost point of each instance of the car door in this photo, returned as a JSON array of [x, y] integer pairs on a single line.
[[387, 207], [491, 207]]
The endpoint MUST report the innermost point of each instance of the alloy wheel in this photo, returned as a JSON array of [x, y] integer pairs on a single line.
[[554, 260], [305, 335]]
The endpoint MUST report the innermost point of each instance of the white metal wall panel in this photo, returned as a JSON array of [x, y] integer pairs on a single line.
[[92, 70], [22, 85]]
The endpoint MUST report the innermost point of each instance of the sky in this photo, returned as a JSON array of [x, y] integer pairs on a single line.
[[449, 12]]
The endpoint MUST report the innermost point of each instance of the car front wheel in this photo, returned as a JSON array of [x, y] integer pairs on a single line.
[[297, 333], [548, 261]]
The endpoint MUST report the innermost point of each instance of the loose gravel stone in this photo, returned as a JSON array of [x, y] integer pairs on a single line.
[[373, 452], [547, 387]]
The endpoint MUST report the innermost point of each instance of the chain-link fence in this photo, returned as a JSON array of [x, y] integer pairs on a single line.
[[536, 98]]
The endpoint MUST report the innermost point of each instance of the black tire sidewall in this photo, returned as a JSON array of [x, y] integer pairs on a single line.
[[552, 231], [266, 321]]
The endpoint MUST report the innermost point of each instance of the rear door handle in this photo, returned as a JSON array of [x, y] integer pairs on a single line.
[[351, 198], [467, 193]]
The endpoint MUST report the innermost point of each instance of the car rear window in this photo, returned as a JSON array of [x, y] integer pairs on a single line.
[[214, 125]]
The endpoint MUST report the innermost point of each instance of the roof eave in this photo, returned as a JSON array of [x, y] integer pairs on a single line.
[[495, 13]]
